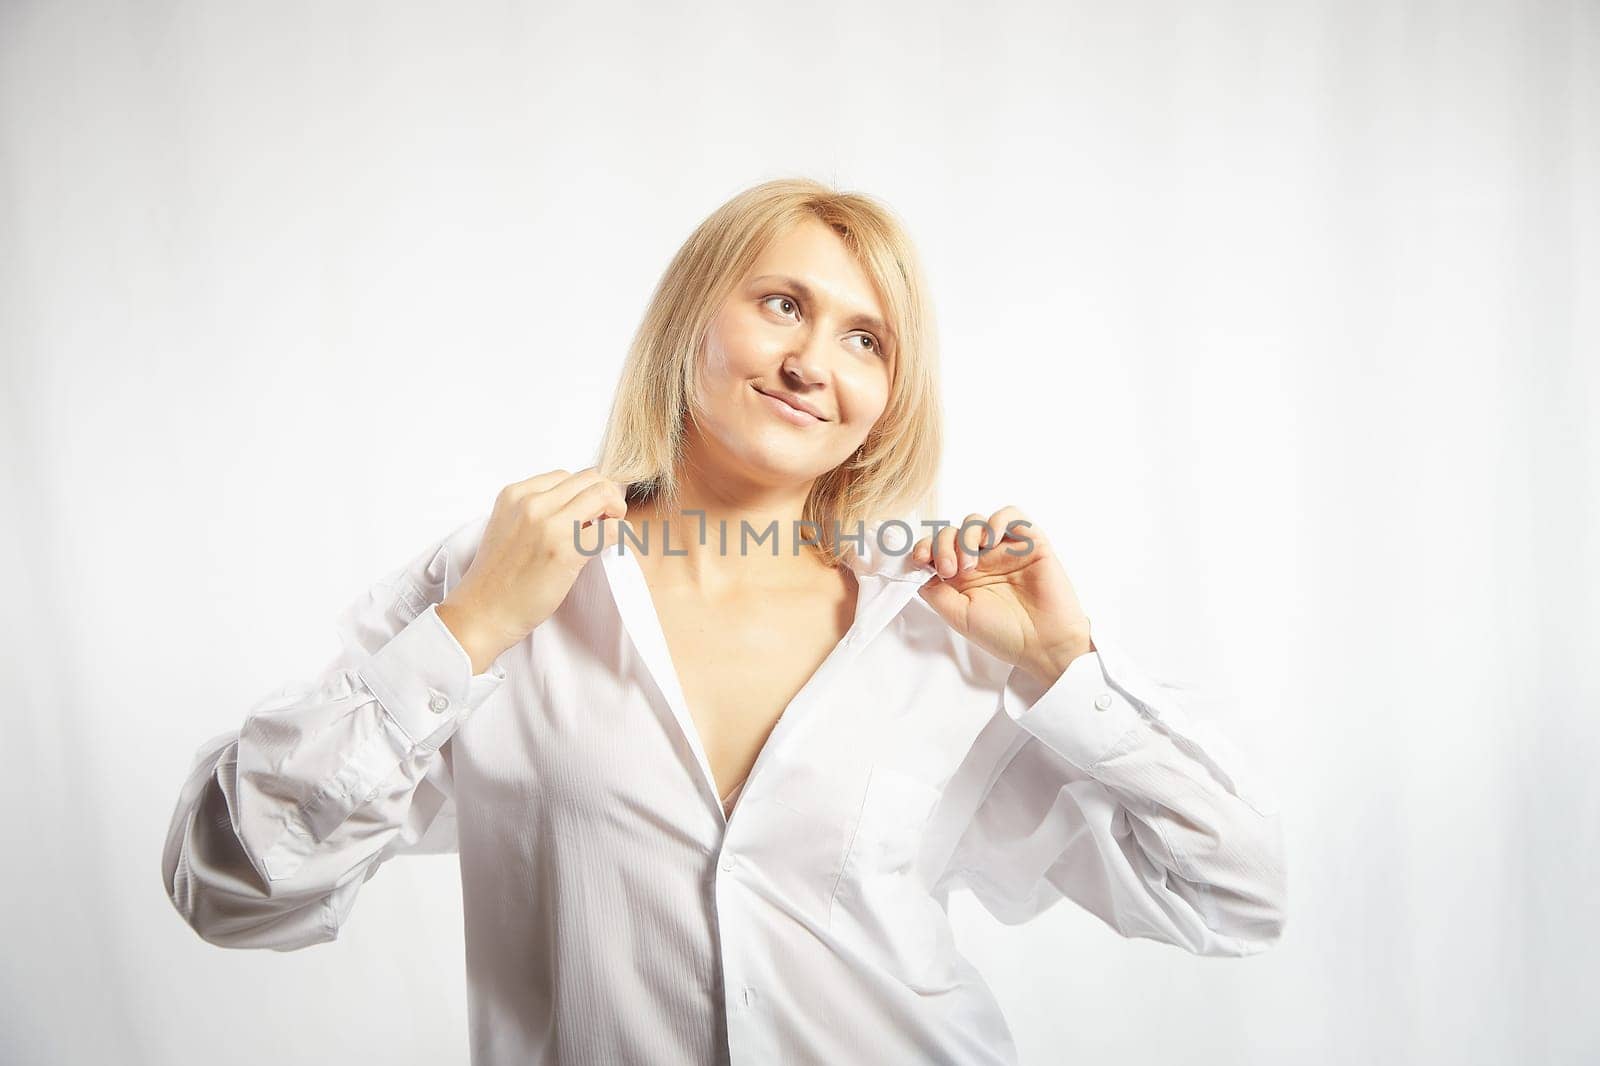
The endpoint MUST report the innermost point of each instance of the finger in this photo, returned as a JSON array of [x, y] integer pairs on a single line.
[[538, 483], [611, 533], [1007, 514], [1012, 527], [570, 488], [944, 552], [995, 527], [922, 553], [613, 502], [603, 499], [969, 540], [949, 603], [591, 541]]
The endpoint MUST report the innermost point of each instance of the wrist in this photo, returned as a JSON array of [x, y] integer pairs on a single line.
[[476, 639], [1049, 664]]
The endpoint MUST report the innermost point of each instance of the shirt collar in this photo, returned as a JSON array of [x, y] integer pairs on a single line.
[[890, 559]]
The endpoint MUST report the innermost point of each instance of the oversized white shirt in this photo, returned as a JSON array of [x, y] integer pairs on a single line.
[[615, 913]]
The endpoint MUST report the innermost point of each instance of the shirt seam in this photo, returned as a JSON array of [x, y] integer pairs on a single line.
[[849, 847], [1180, 861], [330, 924]]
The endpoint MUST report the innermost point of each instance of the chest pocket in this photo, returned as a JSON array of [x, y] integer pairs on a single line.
[[893, 814], [879, 902]]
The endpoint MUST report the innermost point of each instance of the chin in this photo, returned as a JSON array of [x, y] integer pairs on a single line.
[[779, 464]]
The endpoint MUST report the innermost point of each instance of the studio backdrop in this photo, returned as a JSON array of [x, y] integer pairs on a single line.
[[1281, 318]]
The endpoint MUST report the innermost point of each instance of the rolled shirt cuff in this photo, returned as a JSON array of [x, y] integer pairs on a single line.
[[423, 678], [1082, 716]]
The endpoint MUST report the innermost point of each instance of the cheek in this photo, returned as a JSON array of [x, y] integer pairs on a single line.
[[866, 397], [737, 348], [722, 367]]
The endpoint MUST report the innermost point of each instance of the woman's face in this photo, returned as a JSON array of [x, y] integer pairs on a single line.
[[804, 325]]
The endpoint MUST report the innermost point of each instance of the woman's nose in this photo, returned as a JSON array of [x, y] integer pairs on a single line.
[[807, 363], [801, 371]]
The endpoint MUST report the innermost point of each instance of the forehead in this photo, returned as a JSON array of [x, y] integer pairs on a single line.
[[811, 258]]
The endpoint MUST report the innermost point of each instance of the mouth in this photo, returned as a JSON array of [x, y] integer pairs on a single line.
[[796, 412]]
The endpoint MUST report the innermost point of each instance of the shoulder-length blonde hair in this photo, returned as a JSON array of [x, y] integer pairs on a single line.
[[896, 468]]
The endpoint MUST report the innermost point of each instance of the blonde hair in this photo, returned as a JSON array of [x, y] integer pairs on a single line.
[[896, 468]]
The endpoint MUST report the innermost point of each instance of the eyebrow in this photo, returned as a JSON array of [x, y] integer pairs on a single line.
[[860, 318]]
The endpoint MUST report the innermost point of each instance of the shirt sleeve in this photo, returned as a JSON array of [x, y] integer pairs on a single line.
[[281, 820], [1105, 788]]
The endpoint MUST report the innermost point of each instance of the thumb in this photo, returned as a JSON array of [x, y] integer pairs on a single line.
[[946, 601], [611, 529]]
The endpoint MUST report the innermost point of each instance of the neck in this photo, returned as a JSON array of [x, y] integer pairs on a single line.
[[742, 535]]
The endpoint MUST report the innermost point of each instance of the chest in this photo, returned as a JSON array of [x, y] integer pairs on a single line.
[[741, 663]]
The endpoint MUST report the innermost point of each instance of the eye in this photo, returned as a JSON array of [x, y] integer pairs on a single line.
[[874, 345], [779, 297]]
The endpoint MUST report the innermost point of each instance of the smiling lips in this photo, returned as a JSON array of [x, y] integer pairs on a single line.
[[793, 410]]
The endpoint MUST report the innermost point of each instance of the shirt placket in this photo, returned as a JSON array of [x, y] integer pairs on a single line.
[[746, 1005]]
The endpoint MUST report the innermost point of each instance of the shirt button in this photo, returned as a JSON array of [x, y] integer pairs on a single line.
[[1102, 702], [727, 863], [749, 996], [439, 704]]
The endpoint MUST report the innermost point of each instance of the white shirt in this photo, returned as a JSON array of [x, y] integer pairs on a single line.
[[616, 912]]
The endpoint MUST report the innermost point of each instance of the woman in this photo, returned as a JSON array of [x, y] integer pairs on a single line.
[[712, 746]]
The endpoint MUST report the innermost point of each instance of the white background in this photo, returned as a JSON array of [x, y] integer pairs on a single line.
[[1282, 319]]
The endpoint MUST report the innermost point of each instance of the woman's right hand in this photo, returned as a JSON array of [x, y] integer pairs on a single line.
[[529, 558]]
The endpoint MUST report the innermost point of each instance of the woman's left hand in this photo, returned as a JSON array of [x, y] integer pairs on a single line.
[[1010, 598]]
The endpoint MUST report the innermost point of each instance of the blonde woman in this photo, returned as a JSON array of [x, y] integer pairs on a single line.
[[717, 724]]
